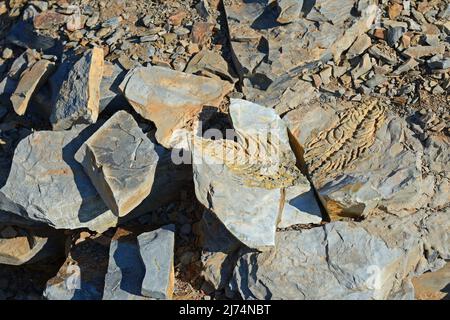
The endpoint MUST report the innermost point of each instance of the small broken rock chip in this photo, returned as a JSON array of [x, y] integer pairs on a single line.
[[79, 94], [171, 99], [243, 182], [29, 83], [290, 10], [46, 184], [157, 248], [358, 159], [121, 161]]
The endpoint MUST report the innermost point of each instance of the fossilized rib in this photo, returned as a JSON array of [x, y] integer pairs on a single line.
[[346, 140], [263, 164]]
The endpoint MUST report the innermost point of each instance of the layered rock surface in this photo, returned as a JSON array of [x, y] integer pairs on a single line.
[[78, 93], [370, 260], [258, 168], [121, 163], [46, 184]]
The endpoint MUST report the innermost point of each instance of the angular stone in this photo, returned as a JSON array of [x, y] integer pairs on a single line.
[[157, 248], [171, 99], [110, 95], [374, 259], [48, 185], [49, 20], [423, 51], [357, 162], [410, 64], [23, 35], [209, 64], [121, 161], [256, 167], [361, 44], [364, 66], [29, 83], [384, 52], [79, 93], [82, 275], [360, 27], [394, 34], [300, 208], [126, 270], [290, 10], [266, 53]]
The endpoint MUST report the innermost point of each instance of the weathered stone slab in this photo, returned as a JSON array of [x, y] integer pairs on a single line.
[[121, 163], [126, 271], [48, 185], [110, 95], [171, 99], [265, 50], [30, 81], [243, 182], [290, 10], [79, 93], [361, 158], [374, 259], [157, 249]]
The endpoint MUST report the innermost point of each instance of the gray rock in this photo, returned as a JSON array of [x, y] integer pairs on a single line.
[[219, 251], [374, 259], [29, 83], [256, 167], [290, 10], [126, 271], [394, 34], [171, 99], [265, 51], [361, 44], [364, 166], [423, 51], [383, 52], [79, 93], [110, 95], [363, 67], [46, 184], [410, 64], [121, 161], [157, 249]]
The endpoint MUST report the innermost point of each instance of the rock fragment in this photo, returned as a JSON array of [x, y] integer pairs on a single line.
[[29, 83], [79, 93], [374, 171], [290, 10], [46, 183], [121, 161], [157, 248], [257, 167], [329, 262], [171, 99]]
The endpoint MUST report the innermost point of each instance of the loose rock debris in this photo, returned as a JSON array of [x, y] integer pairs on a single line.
[[205, 149]]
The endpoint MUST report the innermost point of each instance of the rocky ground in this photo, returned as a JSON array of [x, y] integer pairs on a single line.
[[111, 187]]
